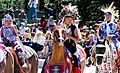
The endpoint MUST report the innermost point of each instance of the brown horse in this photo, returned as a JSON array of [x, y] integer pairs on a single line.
[[58, 61], [32, 59], [7, 65], [13, 64]]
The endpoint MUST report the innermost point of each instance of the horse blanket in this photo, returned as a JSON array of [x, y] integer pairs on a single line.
[[2, 53]]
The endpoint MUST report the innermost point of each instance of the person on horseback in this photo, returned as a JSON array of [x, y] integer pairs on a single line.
[[72, 34], [107, 31], [10, 38], [107, 27]]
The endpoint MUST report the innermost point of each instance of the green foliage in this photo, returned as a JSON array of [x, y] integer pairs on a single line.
[[90, 11]]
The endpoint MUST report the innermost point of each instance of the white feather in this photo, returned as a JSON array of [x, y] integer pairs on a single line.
[[111, 8]]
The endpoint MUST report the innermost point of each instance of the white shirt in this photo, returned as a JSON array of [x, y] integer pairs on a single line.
[[34, 3], [22, 31], [40, 39]]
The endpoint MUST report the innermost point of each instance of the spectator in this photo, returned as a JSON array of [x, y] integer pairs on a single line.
[[42, 23], [22, 14], [48, 44], [50, 23], [32, 9]]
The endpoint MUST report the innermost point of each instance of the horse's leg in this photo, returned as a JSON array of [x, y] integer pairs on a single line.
[[2, 66], [34, 62], [10, 63]]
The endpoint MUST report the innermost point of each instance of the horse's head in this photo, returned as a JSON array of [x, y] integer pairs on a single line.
[[59, 35], [100, 50]]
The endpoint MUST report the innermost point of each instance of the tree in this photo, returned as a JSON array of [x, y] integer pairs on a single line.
[[90, 11], [41, 4]]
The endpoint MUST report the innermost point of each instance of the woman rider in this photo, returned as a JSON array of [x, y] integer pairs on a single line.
[[9, 32], [72, 34]]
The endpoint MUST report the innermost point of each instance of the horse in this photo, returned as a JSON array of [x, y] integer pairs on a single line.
[[6, 60], [32, 58], [102, 57], [59, 60], [71, 45], [12, 63]]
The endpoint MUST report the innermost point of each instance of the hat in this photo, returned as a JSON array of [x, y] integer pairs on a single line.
[[85, 27], [49, 32], [108, 14], [7, 17], [39, 32]]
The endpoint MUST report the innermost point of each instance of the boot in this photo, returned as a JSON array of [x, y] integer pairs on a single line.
[[76, 70]]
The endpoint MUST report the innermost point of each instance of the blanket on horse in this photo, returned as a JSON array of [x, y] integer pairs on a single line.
[[2, 53]]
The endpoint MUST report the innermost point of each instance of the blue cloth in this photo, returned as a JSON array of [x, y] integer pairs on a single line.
[[102, 31], [32, 13], [112, 29], [107, 29], [89, 44]]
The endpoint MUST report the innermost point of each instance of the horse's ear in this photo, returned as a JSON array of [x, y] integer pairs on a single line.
[[54, 33], [97, 41], [104, 41]]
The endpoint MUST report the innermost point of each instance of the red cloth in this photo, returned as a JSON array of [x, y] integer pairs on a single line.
[[2, 47], [54, 68], [42, 24], [76, 70]]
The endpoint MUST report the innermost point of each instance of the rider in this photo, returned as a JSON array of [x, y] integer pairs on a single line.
[[9, 32], [107, 31], [107, 28], [72, 33]]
